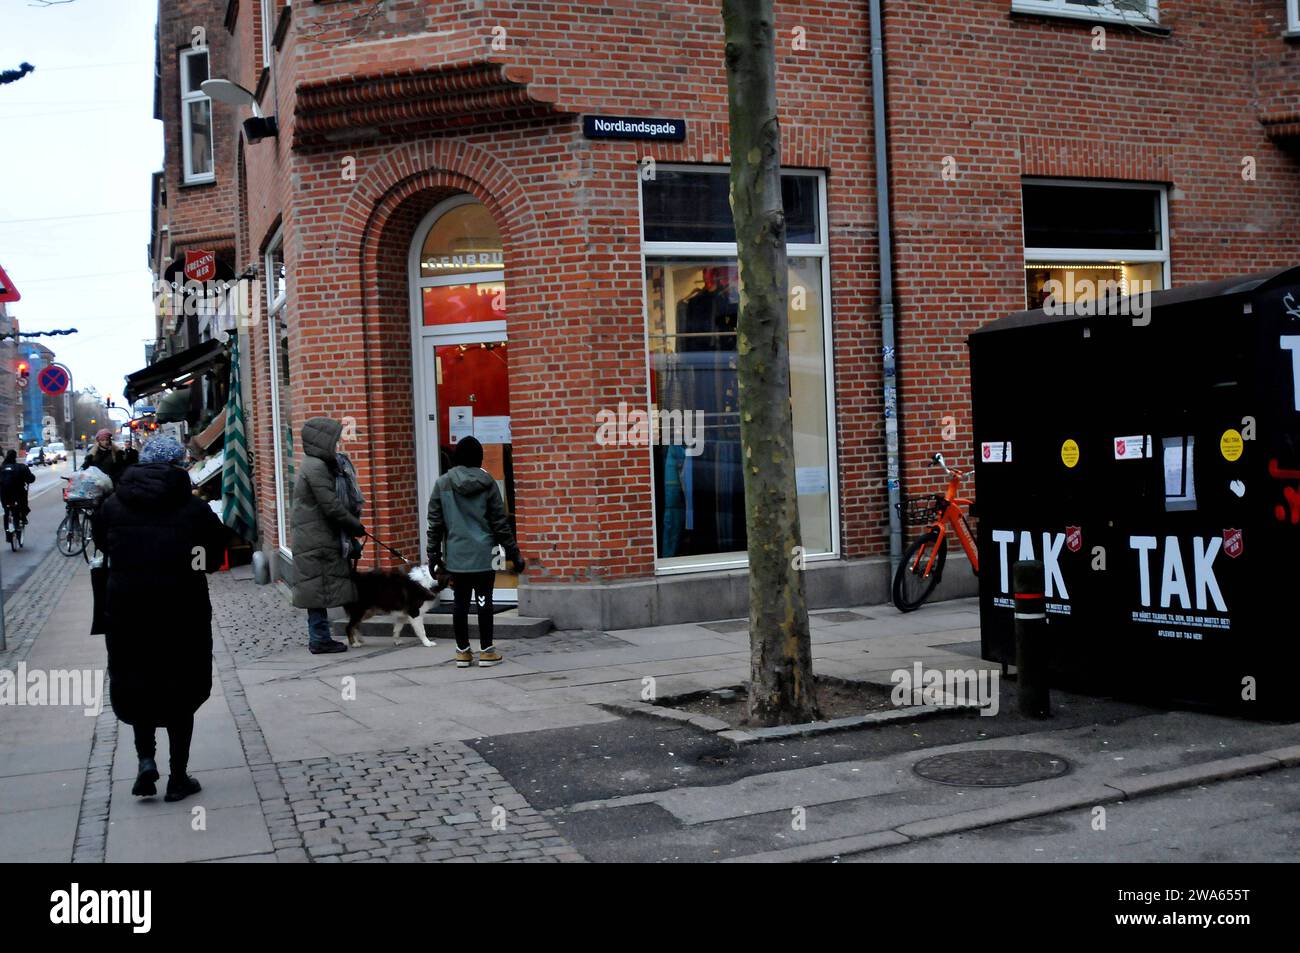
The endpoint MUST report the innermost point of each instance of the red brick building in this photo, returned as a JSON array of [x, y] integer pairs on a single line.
[[451, 246]]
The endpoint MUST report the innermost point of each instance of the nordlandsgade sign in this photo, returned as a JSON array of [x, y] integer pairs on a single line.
[[630, 127]]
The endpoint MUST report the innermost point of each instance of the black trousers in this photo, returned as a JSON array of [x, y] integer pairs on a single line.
[[479, 585], [179, 734]]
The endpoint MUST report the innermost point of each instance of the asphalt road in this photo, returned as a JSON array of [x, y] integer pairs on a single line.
[[1250, 819], [46, 499]]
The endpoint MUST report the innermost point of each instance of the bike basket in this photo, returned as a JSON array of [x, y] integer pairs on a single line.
[[920, 510]]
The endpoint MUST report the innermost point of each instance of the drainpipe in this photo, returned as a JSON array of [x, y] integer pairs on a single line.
[[885, 233]]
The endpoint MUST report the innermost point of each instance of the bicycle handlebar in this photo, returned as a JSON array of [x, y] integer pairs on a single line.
[[938, 461]]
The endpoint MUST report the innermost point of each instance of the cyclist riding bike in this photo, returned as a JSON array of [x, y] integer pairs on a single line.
[[15, 477]]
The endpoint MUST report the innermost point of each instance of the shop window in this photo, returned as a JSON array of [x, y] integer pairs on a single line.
[[1098, 242], [463, 241], [693, 301], [196, 118], [1122, 11], [693, 206], [281, 384]]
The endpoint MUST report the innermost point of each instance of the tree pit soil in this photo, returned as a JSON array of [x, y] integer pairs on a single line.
[[836, 698]]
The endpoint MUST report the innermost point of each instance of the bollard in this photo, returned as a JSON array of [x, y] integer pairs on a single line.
[[1032, 691]]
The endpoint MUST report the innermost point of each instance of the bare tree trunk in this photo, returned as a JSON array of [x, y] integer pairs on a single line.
[[781, 689]]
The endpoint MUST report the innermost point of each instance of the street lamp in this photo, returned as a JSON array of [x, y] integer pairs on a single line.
[[232, 94]]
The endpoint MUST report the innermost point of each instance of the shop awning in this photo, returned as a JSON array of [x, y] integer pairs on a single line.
[[172, 371], [173, 406]]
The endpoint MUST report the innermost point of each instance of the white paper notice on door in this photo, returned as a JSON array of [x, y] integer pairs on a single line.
[[461, 421], [1132, 448], [492, 430], [811, 481]]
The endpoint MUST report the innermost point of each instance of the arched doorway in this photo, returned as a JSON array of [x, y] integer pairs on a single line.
[[459, 350]]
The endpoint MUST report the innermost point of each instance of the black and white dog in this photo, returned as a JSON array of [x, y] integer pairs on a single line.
[[402, 596]]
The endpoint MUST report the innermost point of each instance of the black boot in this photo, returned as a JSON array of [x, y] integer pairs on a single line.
[[181, 786], [144, 780]]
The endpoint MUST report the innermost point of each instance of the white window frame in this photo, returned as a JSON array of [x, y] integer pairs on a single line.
[[189, 96], [1105, 255], [268, 32], [1078, 11], [1293, 16], [819, 249], [275, 304]]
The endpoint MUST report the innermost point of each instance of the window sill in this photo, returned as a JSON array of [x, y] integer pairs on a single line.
[[263, 81], [193, 183], [1034, 14], [1291, 36], [282, 26]]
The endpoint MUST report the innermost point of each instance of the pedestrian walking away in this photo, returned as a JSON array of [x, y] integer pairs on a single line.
[[15, 477], [466, 510], [326, 524], [159, 541]]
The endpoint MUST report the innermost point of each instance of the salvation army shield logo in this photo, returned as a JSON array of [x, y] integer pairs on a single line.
[[1233, 543], [988, 451], [200, 266], [1120, 447], [1073, 538]]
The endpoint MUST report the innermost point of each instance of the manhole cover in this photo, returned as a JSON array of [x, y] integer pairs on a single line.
[[991, 769]]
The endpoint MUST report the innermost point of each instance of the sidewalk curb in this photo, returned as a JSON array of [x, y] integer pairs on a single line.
[[740, 737], [1111, 792]]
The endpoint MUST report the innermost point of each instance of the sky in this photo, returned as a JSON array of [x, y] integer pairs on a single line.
[[78, 144]]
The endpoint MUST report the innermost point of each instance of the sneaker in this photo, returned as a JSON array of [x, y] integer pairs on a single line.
[[327, 648], [144, 781], [464, 658], [179, 788], [489, 656]]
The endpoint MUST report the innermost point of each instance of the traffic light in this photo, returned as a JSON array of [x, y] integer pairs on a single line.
[[24, 373]]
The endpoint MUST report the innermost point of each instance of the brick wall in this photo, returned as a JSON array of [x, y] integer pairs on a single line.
[[1004, 96]]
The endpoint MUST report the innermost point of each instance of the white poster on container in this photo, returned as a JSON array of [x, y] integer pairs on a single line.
[[997, 451], [1132, 448]]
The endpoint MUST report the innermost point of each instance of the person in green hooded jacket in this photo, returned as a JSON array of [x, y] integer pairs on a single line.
[[467, 511]]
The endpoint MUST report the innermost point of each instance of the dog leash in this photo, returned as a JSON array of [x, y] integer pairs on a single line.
[[384, 545]]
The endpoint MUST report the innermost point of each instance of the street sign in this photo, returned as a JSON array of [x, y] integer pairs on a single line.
[[47, 421], [7, 290], [54, 379]]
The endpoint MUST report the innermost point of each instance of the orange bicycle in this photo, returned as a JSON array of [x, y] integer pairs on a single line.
[[922, 564]]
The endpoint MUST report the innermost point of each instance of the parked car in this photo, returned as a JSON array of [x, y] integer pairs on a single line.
[[56, 452], [35, 456]]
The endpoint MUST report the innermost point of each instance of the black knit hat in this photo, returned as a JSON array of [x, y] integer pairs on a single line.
[[468, 453]]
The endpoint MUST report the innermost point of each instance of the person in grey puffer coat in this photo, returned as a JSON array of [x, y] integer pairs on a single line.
[[326, 518], [466, 508]]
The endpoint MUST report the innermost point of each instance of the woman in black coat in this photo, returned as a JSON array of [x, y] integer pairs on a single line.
[[159, 540]]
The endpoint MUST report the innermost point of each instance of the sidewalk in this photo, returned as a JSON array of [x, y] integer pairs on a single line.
[[391, 753]]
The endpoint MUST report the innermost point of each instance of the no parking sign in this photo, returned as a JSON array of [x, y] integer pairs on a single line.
[[54, 379]]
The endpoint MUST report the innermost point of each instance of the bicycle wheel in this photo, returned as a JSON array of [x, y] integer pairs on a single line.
[[16, 540], [70, 536], [912, 585]]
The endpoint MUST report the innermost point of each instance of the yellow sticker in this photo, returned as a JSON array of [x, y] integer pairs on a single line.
[[1070, 453], [1230, 445]]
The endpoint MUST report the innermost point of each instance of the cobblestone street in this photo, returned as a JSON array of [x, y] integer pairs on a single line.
[[443, 802]]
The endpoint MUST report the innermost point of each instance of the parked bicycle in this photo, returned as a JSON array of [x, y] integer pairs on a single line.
[[922, 565], [74, 534]]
